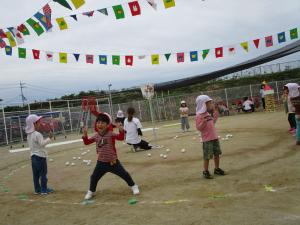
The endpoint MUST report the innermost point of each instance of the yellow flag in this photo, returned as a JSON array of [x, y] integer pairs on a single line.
[[78, 3], [62, 23], [169, 3], [245, 46], [12, 41], [155, 59], [63, 57]]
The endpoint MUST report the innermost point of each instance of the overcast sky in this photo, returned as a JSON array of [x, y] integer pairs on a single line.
[[191, 25]]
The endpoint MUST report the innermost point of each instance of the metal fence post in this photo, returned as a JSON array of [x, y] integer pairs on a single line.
[[71, 126], [29, 111], [140, 111], [278, 97], [5, 128], [158, 108], [226, 97], [251, 91], [163, 99], [21, 130]]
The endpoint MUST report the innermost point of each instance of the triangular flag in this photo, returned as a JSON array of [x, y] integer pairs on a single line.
[[11, 30], [245, 46], [142, 56], [43, 20], [89, 14], [89, 59], [23, 29], [256, 42], [2, 34], [49, 56], [135, 8], [62, 23], [129, 60], [76, 56], [78, 3], [119, 12], [180, 57], [103, 11], [167, 55], [2, 43], [35, 26], [36, 54], [152, 3], [103, 59], [169, 3], [269, 41], [74, 17], [281, 37], [12, 41], [116, 60], [219, 52], [22, 53], [63, 57], [64, 3], [194, 56], [155, 59], [294, 34], [8, 50], [205, 53], [231, 50]]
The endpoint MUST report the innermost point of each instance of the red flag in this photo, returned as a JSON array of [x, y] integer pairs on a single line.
[[89, 59], [2, 34], [129, 60], [135, 8], [180, 57], [219, 52], [36, 54], [2, 43], [256, 42], [47, 10], [269, 41]]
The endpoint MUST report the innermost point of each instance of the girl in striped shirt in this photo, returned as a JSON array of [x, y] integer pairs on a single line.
[[107, 154]]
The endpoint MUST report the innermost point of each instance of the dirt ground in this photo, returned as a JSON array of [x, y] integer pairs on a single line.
[[173, 191]]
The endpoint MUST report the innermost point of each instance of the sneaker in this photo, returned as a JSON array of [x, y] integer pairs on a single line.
[[50, 190], [89, 195], [37, 193], [135, 189], [44, 193], [292, 131], [219, 171], [207, 175]]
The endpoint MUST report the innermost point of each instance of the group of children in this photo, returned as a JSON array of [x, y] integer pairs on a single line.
[[129, 129], [291, 99]]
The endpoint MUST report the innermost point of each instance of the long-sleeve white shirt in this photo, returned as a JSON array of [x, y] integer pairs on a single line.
[[37, 143]]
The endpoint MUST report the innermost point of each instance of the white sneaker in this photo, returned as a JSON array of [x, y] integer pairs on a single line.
[[89, 195], [135, 189]]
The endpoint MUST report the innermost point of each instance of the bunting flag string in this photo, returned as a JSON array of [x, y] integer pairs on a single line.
[[42, 20], [155, 59]]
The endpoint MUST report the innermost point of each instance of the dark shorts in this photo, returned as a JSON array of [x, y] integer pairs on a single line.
[[211, 148]]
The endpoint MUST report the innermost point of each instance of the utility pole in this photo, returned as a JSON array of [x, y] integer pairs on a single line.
[[22, 85]]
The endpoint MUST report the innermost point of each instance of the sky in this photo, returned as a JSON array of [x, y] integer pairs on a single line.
[[191, 25]]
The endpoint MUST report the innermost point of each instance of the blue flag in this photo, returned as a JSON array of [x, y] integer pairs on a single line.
[[8, 50], [103, 59], [194, 56], [76, 56], [281, 37], [43, 20]]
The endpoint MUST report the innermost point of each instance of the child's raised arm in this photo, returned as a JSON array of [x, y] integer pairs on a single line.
[[86, 139]]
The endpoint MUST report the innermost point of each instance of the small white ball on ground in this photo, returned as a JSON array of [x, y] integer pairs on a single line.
[[72, 164], [74, 157], [219, 137], [165, 156], [223, 139], [67, 163], [161, 155], [78, 158], [149, 154], [183, 150], [168, 150], [88, 150], [88, 163], [85, 161], [50, 160], [226, 139]]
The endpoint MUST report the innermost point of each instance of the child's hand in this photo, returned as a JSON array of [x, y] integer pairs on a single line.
[[85, 131], [50, 135]]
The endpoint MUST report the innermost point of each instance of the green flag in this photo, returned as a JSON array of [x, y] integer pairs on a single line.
[[119, 12], [205, 53], [168, 56], [22, 53], [23, 29], [35, 26], [116, 60], [64, 3], [294, 33]]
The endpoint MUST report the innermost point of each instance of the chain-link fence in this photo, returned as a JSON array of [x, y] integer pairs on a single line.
[[66, 117]]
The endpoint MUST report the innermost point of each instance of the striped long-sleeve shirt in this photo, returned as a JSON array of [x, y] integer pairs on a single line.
[[105, 145]]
